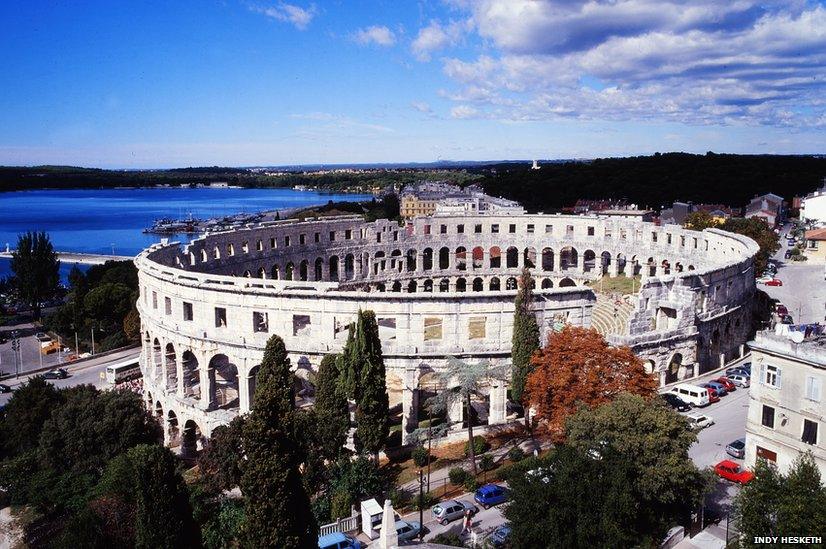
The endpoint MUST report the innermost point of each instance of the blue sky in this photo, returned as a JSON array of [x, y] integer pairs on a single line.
[[166, 84]]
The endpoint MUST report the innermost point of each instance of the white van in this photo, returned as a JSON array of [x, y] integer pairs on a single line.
[[696, 396]]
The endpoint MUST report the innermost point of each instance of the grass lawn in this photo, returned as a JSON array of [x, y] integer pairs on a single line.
[[616, 284]]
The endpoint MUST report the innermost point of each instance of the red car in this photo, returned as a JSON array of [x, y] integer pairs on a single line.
[[733, 472], [724, 381], [712, 396], [774, 282]]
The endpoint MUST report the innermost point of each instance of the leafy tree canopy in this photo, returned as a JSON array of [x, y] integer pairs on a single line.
[[36, 269]]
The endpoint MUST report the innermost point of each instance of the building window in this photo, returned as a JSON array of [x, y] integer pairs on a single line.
[[478, 229], [476, 327], [512, 228], [809, 432], [302, 239], [530, 228], [654, 237], [569, 230], [427, 229], [154, 300], [348, 234], [772, 376], [813, 388], [494, 228], [220, 317], [549, 229], [272, 243], [259, 246], [432, 328], [245, 247], [188, 316], [332, 236], [443, 229], [260, 322], [317, 238], [167, 305], [768, 417], [301, 325], [460, 229], [591, 231], [286, 241]]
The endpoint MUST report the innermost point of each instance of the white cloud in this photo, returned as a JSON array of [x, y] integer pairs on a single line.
[[463, 111], [436, 36], [299, 17], [379, 35], [696, 62], [421, 106]]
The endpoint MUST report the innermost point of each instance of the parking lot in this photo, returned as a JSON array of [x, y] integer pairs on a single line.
[[29, 349]]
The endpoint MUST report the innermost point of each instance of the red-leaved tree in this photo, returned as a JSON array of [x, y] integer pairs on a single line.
[[577, 367]]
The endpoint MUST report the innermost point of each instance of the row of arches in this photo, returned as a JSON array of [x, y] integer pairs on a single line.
[[461, 284]]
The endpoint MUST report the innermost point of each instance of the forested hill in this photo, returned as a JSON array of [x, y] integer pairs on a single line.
[[657, 181]]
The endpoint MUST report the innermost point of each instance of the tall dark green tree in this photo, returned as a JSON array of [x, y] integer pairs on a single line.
[[163, 515], [366, 377], [36, 269], [525, 340], [26, 412], [277, 508], [220, 462], [331, 408]]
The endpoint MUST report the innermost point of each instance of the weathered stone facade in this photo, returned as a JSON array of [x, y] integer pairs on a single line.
[[441, 286]]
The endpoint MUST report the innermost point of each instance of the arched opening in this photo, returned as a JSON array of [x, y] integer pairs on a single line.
[[247, 274], [678, 267], [262, 273], [671, 373], [691, 267], [649, 366], [427, 286], [495, 257], [334, 268], [303, 269], [252, 379], [349, 267], [275, 272], [216, 253], [510, 283], [171, 367], [567, 283], [547, 259], [427, 259], [159, 412], [157, 359], [589, 261], [512, 258], [411, 260], [411, 287], [478, 285], [461, 285], [204, 257], [289, 271], [495, 284], [568, 258], [192, 375], [621, 261], [319, 269], [172, 428], [530, 258], [666, 266], [397, 287], [547, 283], [478, 257], [191, 440], [461, 258], [380, 262], [226, 382], [444, 285], [605, 261], [652, 266], [395, 260], [444, 258]]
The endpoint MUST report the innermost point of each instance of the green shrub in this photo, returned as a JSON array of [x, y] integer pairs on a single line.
[[340, 505], [450, 539], [471, 484], [516, 454], [400, 498], [457, 475], [486, 462], [420, 456], [479, 445], [428, 501]]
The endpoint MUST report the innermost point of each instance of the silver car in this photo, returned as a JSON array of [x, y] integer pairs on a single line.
[[407, 530], [451, 510], [740, 380], [737, 448]]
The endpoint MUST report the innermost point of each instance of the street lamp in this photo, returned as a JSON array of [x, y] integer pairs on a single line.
[[421, 505]]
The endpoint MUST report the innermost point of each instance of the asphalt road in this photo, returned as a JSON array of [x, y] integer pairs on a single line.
[[30, 350], [80, 373], [803, 290], [484, 522]]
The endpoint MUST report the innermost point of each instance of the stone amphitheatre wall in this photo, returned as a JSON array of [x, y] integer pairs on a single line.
[[440, 287]]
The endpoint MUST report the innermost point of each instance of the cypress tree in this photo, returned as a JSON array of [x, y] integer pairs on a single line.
[[331, 408], [277, 508], [363, 357], [525, 340]]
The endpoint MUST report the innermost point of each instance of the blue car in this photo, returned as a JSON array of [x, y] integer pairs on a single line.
[[490, 495], [337, 540], [500, 536], [717, 386]]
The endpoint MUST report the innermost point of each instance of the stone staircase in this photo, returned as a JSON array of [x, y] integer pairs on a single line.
[[610, 315]]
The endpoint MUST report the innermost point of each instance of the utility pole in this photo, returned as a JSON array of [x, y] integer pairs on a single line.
[[421, 504], [93, 340]]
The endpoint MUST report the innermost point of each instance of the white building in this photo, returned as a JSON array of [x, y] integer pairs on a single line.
[[813, 207], [787, 411]]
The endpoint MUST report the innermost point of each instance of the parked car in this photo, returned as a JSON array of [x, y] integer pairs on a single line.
[[42, 337], [787, 255], [774, 282], [764, 279], [500, 536], [719, 387], [4, 388], [489, 495], [676, 402], [699, 421], [693, 394], [712, 395], [742, 369], [451, 510], [407, 530], [781, 309], [57, 373], [729, 470], [338, 540], [726, 382], [737, 448], [740, 379]]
